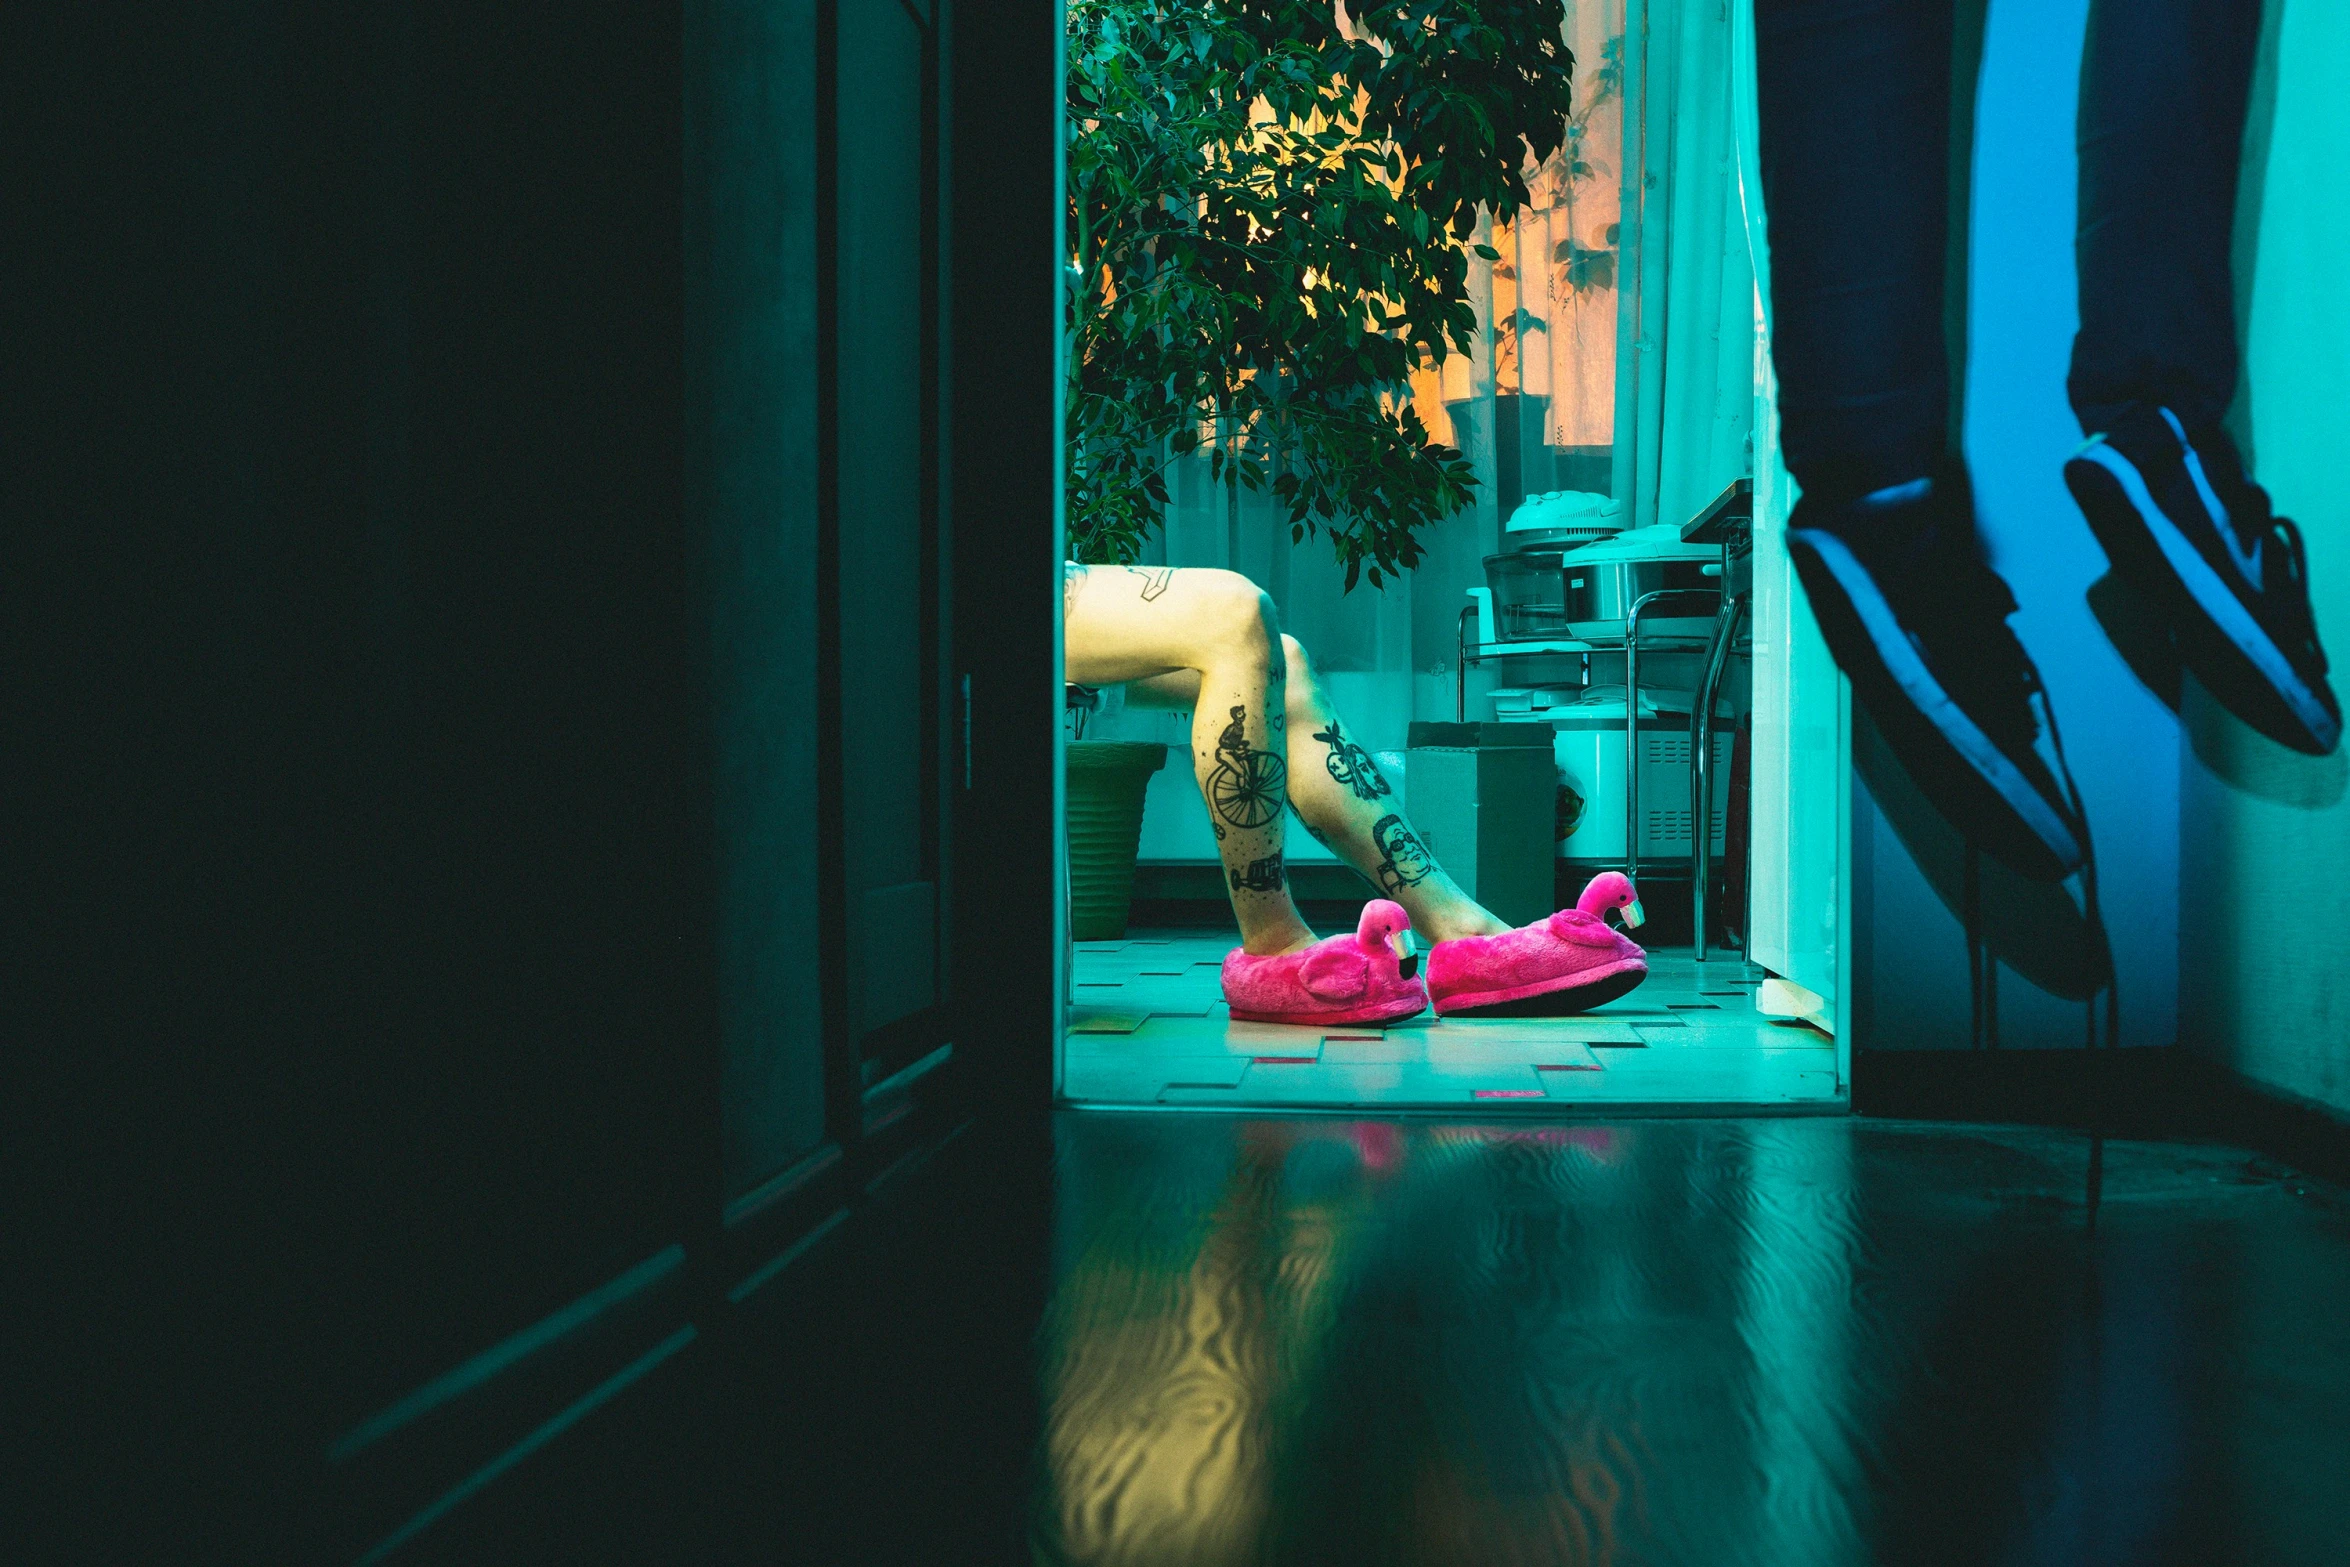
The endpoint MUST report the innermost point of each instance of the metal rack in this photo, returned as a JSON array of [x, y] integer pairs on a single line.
[[1700, 725], [1727, 520], [1630, 645]]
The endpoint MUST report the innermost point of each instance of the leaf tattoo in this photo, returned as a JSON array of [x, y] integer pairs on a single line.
[[1351, 765]]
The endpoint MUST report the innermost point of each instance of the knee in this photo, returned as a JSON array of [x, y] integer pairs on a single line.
[[1301, 669], [1302, 690], [1241, 620]]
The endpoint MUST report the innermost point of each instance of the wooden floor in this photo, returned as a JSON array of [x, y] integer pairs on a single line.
[[1792, 1342], [1263, 1340], [1150, 1027]]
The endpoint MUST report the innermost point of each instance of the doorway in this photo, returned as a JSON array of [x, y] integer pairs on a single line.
[[1622, 281]]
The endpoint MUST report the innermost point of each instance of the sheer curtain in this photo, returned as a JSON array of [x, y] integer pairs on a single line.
[[1695, 347], [1536, 406]]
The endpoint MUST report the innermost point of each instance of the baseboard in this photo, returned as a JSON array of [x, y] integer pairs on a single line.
[[1191, 894], [2127, 1092], [766, 1223], [2289, 1129], [2154, 1092], [396, 1473], [399, 1475]]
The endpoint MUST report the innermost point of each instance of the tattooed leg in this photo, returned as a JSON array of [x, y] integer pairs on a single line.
[[1264, 875], [1213, 635], [1338, 791], [1244, 779]]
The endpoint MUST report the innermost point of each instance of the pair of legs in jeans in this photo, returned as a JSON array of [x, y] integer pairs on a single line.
[[1855, 121]]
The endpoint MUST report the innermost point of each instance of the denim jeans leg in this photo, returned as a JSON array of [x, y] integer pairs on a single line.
[[1854, 100], [2161, 137]]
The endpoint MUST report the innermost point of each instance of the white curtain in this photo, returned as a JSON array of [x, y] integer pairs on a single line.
[[1695, 346]]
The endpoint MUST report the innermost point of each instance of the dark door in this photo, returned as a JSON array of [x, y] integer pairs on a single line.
[[887, 547]]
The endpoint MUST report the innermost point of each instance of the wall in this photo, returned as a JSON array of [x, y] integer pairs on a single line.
[[2267, 833], [418, 953], [1913, 974], [379, 695]]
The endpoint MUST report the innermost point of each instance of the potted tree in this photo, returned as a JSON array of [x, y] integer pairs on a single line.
[[1107, 781], [1270, 211]]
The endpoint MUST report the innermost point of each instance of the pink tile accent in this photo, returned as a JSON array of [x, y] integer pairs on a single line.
[[1508, 1093]]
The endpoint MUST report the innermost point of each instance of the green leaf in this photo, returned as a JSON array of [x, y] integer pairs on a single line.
[[1204, 231]]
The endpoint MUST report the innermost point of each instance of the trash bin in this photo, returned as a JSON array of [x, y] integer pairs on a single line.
[[1485, 800]]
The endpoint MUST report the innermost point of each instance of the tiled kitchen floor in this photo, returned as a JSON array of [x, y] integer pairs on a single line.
[[1150, 1028]]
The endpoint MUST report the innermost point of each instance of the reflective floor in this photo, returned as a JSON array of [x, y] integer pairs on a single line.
[[1203, 1340], [1781, 1341]]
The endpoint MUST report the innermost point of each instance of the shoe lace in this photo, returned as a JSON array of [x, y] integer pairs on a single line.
[[2091, 911], [2251, 515], [1977, 654], [2287, 603]]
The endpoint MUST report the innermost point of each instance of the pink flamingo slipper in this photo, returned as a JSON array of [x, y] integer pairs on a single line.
[[1569, 962], [1371, 976]]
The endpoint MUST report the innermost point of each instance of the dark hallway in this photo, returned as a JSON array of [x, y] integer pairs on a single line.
[[538, 951]]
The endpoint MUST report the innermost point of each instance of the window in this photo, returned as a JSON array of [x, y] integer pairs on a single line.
[[1537, 408]]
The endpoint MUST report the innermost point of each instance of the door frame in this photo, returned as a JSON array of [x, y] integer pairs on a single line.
[[1002, 454]]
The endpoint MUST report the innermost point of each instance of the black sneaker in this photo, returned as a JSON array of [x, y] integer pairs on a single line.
[[2186, 526], [1919, 622]]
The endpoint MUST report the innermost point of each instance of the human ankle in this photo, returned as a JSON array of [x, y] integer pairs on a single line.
[[1454, 924], [1274, 941]]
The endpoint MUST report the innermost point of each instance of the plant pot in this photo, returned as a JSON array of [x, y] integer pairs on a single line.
[[1107, 782], [1520, 467]]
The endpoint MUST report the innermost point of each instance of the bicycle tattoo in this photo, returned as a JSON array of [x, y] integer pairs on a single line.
[[1248, 788]]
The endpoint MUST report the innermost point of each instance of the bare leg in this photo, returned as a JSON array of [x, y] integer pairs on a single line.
[[1341, 797], [1345, 802], [1126, 624]]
